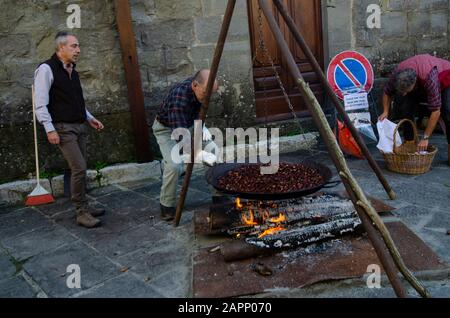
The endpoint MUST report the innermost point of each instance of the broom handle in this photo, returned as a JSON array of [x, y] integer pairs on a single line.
[[35, 135]]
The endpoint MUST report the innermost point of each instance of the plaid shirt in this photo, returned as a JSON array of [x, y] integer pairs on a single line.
[[431, 87], [180, 106]]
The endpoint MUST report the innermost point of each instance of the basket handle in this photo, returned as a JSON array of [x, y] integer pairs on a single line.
[[416, 135]]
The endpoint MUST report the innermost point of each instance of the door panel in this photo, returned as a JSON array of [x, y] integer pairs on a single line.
[[270, 101]]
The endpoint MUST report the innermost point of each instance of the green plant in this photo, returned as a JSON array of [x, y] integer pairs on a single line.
[[292, 133], [100, 165], [48, 174]]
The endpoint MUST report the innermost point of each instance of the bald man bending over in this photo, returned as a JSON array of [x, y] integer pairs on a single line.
[[180, 108]]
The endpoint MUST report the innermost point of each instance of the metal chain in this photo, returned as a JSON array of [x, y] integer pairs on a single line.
[[255, 58], [262, 46]]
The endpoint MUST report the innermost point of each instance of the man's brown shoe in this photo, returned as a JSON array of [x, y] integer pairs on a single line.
[[95, 211], [87, 220], [167, 213]]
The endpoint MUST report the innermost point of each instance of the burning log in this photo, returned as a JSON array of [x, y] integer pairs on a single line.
[[305, 235], [221, 216], [309, 210], [253, 247]]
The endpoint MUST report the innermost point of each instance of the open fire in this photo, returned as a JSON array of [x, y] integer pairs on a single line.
[[260, 217], [287, 223]]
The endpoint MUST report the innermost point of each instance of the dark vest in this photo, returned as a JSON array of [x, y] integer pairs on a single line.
[[66, 102]]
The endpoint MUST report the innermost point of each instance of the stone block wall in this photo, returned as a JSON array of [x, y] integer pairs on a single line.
[[175, 38], [27, 30], [408, 27]]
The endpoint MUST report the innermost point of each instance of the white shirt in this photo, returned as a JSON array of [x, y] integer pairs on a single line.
[[43, 80]]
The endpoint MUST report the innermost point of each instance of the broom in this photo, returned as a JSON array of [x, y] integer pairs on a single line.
[[39, 195]]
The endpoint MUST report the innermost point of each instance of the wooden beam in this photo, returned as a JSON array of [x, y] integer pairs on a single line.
[[133, 78], [209, 88]]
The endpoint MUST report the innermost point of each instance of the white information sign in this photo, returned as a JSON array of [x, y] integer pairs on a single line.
[[356, 101]]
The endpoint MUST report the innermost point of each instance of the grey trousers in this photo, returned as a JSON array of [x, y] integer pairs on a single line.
[[73, 138], [172, 170]]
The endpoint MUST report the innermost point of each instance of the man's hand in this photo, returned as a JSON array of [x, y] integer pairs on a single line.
[[383, 116], [53, 137], [423, 145], [206, 134], [96, 124]]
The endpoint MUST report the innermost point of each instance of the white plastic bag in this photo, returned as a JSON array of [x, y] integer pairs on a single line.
[[386, 130], [361, 121]]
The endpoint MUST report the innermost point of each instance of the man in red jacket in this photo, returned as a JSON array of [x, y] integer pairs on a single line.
[[420, 86]]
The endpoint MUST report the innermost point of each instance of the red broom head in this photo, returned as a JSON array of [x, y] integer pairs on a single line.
[[39, 200], [39, 196]]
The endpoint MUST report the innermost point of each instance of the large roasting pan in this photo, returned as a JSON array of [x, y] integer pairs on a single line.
[[216, 172]]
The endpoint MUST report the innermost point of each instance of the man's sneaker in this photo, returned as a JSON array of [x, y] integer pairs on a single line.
[[87, 220], [167, 213], [95, 211]]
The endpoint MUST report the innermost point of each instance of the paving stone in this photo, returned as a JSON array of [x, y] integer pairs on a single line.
[[195, 198], [126, 202], [21, 221], [424, 196], [442, 290], [133, 185], [6, 208], [437, 240], [174, 283], [117, 244], [7, 268], [199, 183], [16, 287], [440, 221], [158, 256], [152, 189], [154, 261], [439, 176], [412, 211], [112, 224], [61, 205], [98, 192], [124, 286], [38, 241], [49, 270]]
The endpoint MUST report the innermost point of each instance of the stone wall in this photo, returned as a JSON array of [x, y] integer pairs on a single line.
[[175, 38], [27, 30], [408, 27]]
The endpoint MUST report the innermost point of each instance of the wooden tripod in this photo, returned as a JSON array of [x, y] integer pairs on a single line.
[[374, 226]]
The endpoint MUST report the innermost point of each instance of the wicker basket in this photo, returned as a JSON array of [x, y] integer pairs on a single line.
[[405, 159]]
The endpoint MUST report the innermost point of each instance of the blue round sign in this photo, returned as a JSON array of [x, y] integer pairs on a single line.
[[350, 71]]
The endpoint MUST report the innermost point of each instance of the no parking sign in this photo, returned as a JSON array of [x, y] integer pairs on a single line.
[[350, 71], [351, 77]]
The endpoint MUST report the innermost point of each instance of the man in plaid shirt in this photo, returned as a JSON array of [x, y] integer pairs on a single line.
[[418, 87], [179, 109]]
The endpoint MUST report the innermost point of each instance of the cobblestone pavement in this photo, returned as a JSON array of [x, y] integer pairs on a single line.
[[135, 254]]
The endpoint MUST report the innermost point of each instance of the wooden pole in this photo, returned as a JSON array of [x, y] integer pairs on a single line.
[[212, 76], [133, 78], [337, 104], [361, 203]]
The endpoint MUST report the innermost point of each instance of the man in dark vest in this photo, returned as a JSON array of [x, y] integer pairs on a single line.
[[60, 108]]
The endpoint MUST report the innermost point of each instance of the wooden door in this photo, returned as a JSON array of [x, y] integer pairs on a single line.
[[271, 104]]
